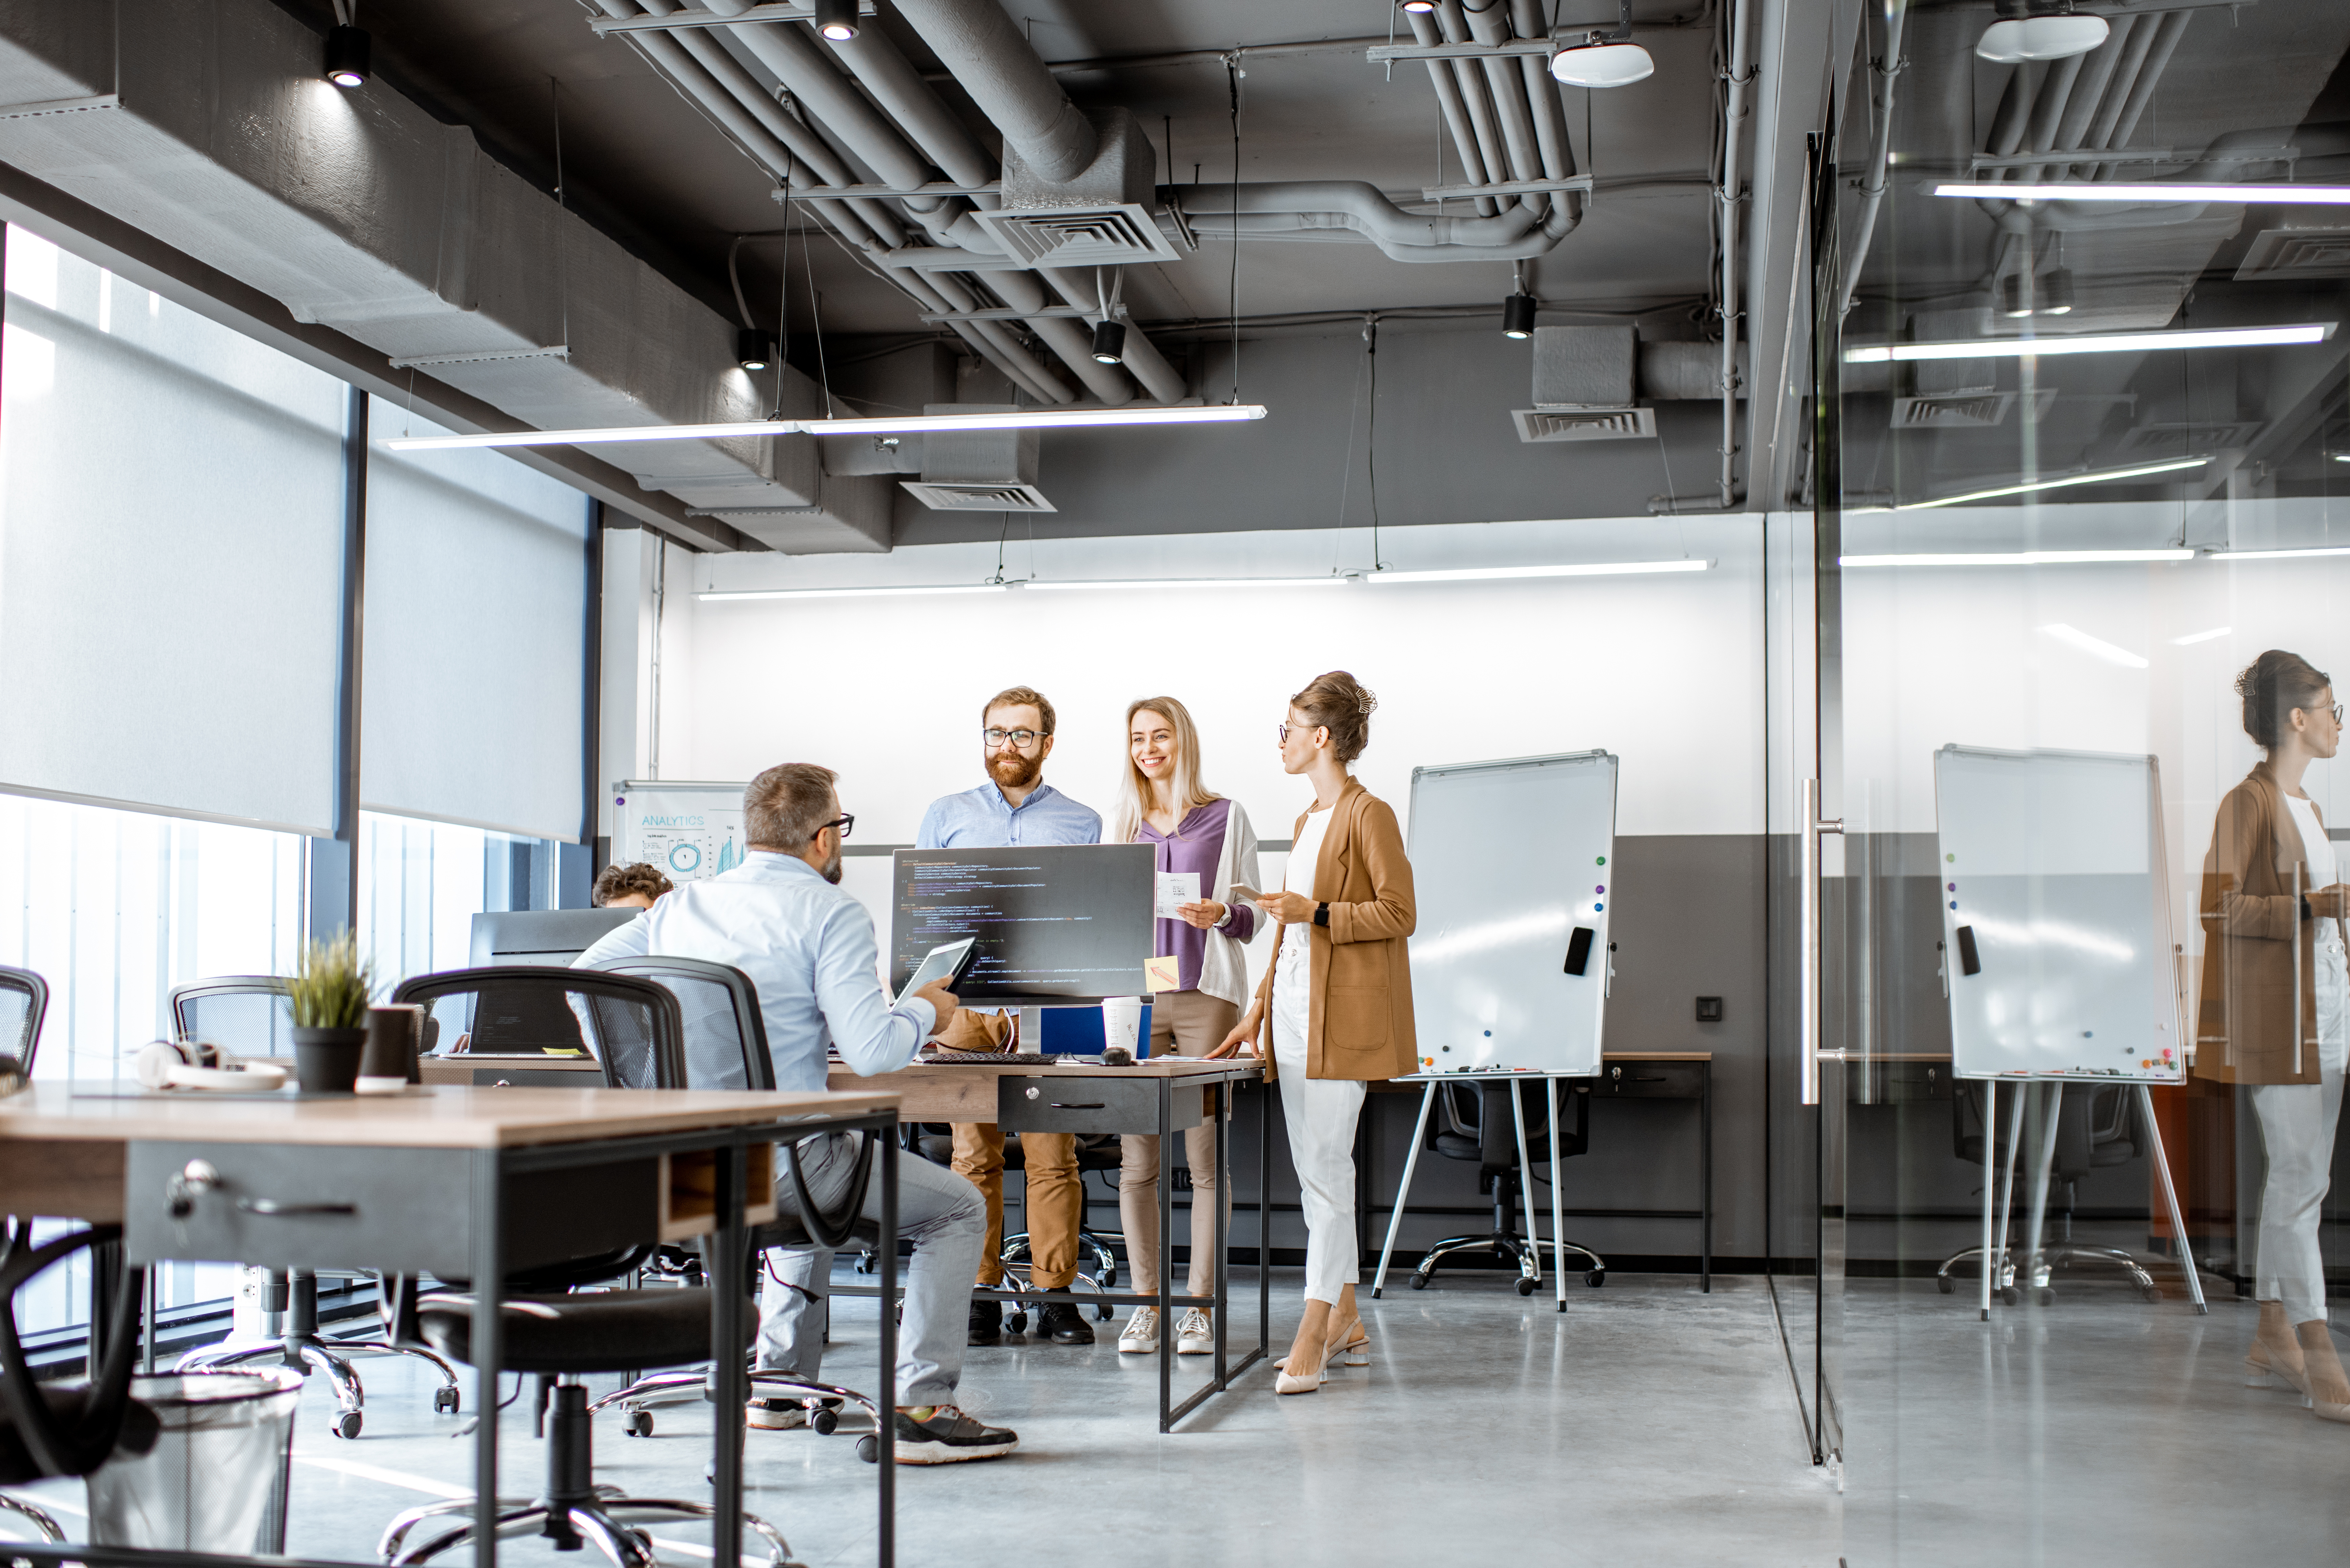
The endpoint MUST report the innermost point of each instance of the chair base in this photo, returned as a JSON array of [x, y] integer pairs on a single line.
[[2055, 1255], [1016, 1250], [665, 1387], [591, 1520], [1517, 1248], [306, 1353], [49, 1529]]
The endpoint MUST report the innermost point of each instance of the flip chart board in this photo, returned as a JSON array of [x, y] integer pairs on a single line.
[[2056, 926], [1514, 866], [686, 831]]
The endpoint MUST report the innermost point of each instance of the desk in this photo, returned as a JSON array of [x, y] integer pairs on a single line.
[[1622, 1075], [1163, 1096], [458, 1180]]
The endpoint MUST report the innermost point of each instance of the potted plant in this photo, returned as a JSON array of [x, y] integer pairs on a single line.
[[330, 987]]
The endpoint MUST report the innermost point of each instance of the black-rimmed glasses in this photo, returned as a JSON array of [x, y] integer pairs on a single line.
[[845, 822], [1023, 739]]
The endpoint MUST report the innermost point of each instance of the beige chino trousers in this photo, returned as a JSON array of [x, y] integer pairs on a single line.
[[1182, 1024]]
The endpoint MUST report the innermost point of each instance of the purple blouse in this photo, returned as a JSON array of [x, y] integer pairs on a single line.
[[1197, 846]]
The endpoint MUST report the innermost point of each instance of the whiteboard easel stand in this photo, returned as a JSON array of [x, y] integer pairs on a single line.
[[1995, 1261]]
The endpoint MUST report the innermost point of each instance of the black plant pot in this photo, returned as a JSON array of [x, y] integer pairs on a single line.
[[326, 1061]]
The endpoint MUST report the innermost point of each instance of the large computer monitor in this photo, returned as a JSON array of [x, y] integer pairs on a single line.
[[540, 936], [526, 1022], [1064, 922]]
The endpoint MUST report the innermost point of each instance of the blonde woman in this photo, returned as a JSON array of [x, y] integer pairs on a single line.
[[1191, 828], [1334, 1012]]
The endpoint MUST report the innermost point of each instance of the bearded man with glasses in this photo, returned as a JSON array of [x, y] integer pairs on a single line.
[[1015, 807]]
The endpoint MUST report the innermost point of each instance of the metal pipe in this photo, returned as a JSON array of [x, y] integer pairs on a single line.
[[2125, 75], [1455, 112], [1143, 361], [1064, 337], [1880, 158], [2014, 109], [1733, 126], [825, 94], [1550, 116], [907, 98], [1351, 203], [2048, 107], [1002, 351], [1470, 80], [981, 45], [1506, 84], [2167, 32], [2089, 93]]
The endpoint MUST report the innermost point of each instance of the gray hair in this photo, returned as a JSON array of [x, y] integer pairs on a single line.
[[787, 806]]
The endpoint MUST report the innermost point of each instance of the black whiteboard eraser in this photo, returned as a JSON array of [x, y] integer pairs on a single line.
[[1579, 949], [1970, 963]]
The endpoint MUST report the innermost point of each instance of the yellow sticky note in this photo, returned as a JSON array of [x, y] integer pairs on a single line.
[[1162, 973]]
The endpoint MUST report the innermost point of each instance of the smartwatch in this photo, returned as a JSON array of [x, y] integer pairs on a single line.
[[1322, 915]]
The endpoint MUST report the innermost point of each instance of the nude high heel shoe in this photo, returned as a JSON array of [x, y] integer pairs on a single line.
[[1353, 1349], [1284, 1382]]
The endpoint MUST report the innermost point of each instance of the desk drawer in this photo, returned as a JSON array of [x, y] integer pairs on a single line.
[[1650, 1080], [1059, 1105], [407, 1210]]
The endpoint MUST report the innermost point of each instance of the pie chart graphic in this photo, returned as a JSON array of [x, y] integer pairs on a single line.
[[684, 858]]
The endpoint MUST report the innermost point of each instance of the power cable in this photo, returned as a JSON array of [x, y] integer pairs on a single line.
[[1233, 83], [1371, 440]]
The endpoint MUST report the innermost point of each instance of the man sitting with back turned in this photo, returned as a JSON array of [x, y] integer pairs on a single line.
[[1015, 807], [781, 917]]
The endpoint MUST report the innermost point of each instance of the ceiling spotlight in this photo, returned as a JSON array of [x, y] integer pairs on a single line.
[[1416, 7], [2058, 37], [753, 349], [346, 57], [2014, 295], [1518, 316], [1109, 342], [1599, 62], [2055, 291], [837, 19]]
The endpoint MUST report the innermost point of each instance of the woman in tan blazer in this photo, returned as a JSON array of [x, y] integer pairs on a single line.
[[1333, 1009], [2276, 989]]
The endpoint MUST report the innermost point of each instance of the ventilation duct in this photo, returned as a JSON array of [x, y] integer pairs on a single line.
[[1099, 218], [1618, 424], [978, 471]]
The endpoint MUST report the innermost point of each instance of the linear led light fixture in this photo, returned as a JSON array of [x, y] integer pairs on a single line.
[[1021, 420], [2144, 191], [2091, 343], [1084, 584], [2025, 487], [2020, 558], [1588, 569], [2279, 555], [848, 593]]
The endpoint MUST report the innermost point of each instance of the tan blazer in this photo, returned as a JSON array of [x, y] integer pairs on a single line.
[[1360, 1024], [2254, 938]]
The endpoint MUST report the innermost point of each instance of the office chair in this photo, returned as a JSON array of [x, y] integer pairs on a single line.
[[935, 1143], [24, 999], [253, 1015], [2096, 1128], [53, 1430], [725, 1047], [633, 1025], [1492, 1140]]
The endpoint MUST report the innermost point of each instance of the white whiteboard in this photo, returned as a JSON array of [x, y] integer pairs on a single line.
[[687, 831], [1509, 860], [2055, 892]]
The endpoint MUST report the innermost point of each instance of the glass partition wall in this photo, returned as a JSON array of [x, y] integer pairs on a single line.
[[2082, 461]]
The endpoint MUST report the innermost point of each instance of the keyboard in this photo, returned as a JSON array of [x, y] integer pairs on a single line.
[[1008, 1058]]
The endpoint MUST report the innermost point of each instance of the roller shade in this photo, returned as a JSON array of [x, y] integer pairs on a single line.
[[473, 674], [170, 554]]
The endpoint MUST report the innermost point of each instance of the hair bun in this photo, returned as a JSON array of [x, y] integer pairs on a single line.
[[1366, 703]]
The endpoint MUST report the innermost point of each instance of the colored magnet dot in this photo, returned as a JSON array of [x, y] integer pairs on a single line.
[[1601, 888], [1954, 903], [1954, 887], [1601, 861], [1951, 857], [1596, 907]]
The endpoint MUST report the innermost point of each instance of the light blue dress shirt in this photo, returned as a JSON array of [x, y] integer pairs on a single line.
[[807, 945], [982, 819]]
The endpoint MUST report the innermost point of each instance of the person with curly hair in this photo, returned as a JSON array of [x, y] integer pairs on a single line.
[[629, 887]]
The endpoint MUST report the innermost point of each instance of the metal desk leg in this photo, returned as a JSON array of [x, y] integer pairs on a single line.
[[1705, 1177], [1991, 1184], [1526, 1178], [2052, 1107], [488, 1348], [729, 1284], [1557, 1213], [1265, 1218], [887, 1255], [1167, 1250], [1223, 1280], [2007, 1179], [2170, 1199], [1403, 1193]]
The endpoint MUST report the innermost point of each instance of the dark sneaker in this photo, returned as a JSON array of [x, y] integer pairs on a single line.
[[1063, 1323], [987, 1323], [948, 1437]]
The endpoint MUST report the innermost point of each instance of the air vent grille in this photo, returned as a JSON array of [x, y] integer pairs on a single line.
[[2181, 439], [2297, 252], [977, 498], [1114, 235], [1962, 410], [1609, 424]]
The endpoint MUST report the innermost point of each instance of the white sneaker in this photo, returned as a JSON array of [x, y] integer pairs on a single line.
[[1195, 1333], [775, 1415], [1140, 1335]]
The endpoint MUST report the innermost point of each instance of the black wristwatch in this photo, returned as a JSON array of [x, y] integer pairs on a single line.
[[1322, 915]]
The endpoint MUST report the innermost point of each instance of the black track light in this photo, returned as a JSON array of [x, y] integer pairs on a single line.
[[346, 57], [753, 349], [1518, 316], [2056, 291], [1109, 342], [837, 19], [2015, 296]]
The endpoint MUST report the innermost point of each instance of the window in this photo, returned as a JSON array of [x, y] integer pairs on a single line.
[[421, 883]]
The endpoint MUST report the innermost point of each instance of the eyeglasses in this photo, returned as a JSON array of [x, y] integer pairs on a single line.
[[2336, 711], [1023, 739], [845, 822], [1282, 730]]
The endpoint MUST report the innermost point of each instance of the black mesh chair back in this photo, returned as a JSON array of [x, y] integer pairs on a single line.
[[53, 1430], [725, 1035], [632, 1026], [1474, 1122], [244, 1014], [24, 998]]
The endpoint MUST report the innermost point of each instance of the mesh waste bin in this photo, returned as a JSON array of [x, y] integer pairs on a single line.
[[216, 1479]]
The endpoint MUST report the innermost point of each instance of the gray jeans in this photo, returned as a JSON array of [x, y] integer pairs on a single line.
[[940, 1212]]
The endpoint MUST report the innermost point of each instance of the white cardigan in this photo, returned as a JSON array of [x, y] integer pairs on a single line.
[[1223, 968]]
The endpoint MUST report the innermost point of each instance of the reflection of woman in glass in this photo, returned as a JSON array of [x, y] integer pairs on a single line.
[[2274, 984]]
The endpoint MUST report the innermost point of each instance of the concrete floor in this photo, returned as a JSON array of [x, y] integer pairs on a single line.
[[1648, 1425]]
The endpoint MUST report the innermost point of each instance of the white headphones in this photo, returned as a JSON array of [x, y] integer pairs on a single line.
[[192, 1064]]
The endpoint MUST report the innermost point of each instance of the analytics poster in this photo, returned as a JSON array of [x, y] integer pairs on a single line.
[[688, 831]]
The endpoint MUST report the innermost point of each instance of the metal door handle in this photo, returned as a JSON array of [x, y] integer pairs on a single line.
[[271, 1207], [1809, 989], [1095, 1105]]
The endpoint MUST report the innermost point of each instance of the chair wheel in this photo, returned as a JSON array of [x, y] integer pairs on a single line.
[[2151, 1293], [1419, 1282], [869, 1448], [1526, 1286], [445, 1401], [346, 1424], [822, 1421], [1017, 1322], [2045, 1296], [640, 1424], [2011, 1295], [1102, 1314], [1595, 1278]]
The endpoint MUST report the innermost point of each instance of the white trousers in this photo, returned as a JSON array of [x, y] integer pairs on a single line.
[[2297, 1122], [1321, 1114]]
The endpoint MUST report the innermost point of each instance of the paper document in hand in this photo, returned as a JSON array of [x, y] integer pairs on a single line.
[[1175, 889]]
